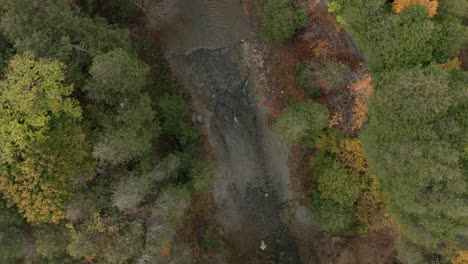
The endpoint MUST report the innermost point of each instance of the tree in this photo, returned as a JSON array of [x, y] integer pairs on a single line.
[[51, 242], [49, 29], [117, 76], [125, 245], [336, 184], [173, 111], [281, 19], [126, 133], [123, 111], [301, 122], [420, 170], [44, 152], [401, 5], [10, 234], [130, 191], [332, 216]]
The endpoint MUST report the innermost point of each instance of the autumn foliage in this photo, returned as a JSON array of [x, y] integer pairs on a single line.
[[44, 149], [401, 5], [350, 105], [462, 258]]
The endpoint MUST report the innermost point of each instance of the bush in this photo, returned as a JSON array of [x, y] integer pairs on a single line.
[[332, 216], [281, 19], [300, 123], [335, 183]]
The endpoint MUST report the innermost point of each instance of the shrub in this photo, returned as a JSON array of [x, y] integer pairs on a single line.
[[335, 183], [301, 122], [332, 216], [281, 19]]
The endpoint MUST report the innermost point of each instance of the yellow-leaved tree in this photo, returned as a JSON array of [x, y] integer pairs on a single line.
[[43, 150]]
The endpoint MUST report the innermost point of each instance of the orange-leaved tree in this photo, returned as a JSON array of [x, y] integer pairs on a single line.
[[401, 5]]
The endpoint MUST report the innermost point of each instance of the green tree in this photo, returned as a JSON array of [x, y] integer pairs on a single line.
[[419, 165], [10, 234], [299, 123], [51, 242], [332, 216], [125, 245], [335, 183], [173, 109], [281, 20], [44, 151], [123, 111], [131, 190], [116, 76]]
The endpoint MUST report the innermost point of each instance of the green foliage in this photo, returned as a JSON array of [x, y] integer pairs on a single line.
[[126, 245], [281, 20], [394, 41], [335, 183], [173, 112], [118, 11], [330, 215], [169, 167], [117, 76], [306, 79], [301, 122], [51, 242], [82, 245], [208, 242], [26, 111], [123, 110], [131, 190], [408, 252], [166, 215], [51, 30], [202, 175], [10, 234], [420, 170]]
